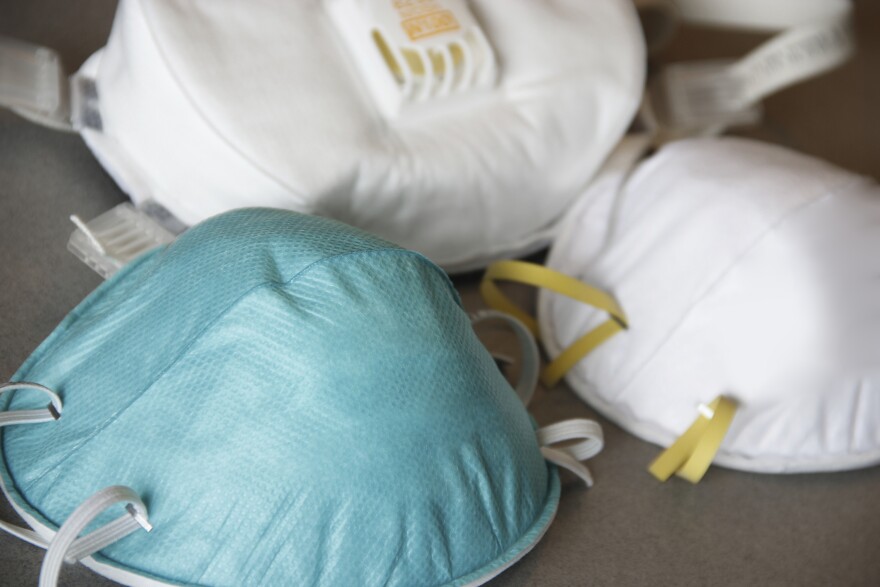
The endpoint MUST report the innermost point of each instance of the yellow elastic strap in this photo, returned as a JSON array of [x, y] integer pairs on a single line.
[[690, 456], [539, 276]]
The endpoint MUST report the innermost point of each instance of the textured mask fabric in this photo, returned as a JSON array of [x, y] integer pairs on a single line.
[[208, 106], [297, 402], [745, 270]]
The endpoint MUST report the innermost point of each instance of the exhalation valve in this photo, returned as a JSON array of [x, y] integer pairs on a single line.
[[414, 52]]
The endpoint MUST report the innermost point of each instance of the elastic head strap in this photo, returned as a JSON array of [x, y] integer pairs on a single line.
[[66, 546], [759, 14], [531, 361], [33, 83], [567, 443], [50, 413], [689, 457], [706, 97], [538, 276]]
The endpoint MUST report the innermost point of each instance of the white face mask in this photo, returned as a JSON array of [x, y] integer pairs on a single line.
[[464, 131], [742, 271]]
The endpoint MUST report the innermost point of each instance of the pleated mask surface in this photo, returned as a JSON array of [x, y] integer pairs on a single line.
[[284, 400], [462, 130], [745, 294]]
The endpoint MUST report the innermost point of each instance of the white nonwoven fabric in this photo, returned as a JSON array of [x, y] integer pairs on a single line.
[[746, 270], [208, 106]]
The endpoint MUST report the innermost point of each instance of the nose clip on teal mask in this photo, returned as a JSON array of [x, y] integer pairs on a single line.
[[278, 399]]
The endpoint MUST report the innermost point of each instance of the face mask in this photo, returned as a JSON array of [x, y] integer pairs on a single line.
[[280, 399], [745, 282], [459, 129]]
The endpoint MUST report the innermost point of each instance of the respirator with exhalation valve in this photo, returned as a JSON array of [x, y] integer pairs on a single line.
[[461, 129]]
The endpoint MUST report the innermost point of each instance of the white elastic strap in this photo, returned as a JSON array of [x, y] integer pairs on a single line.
[[25, 534], [48, 414], [33, 83], [66, 546], [794, 56], [706, 97], [759, 15], [589, 442], [531, 361]]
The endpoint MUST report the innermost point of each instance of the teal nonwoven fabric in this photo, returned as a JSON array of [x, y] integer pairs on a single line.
[[297, 402]]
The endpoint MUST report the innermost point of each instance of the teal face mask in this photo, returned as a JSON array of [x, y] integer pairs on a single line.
[[281, 400]]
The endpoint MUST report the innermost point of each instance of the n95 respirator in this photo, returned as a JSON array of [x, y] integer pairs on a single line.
[[737, 284], [461, 129], [280, 399]]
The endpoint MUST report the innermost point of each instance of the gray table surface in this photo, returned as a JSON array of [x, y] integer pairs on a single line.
[[734, 528]]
